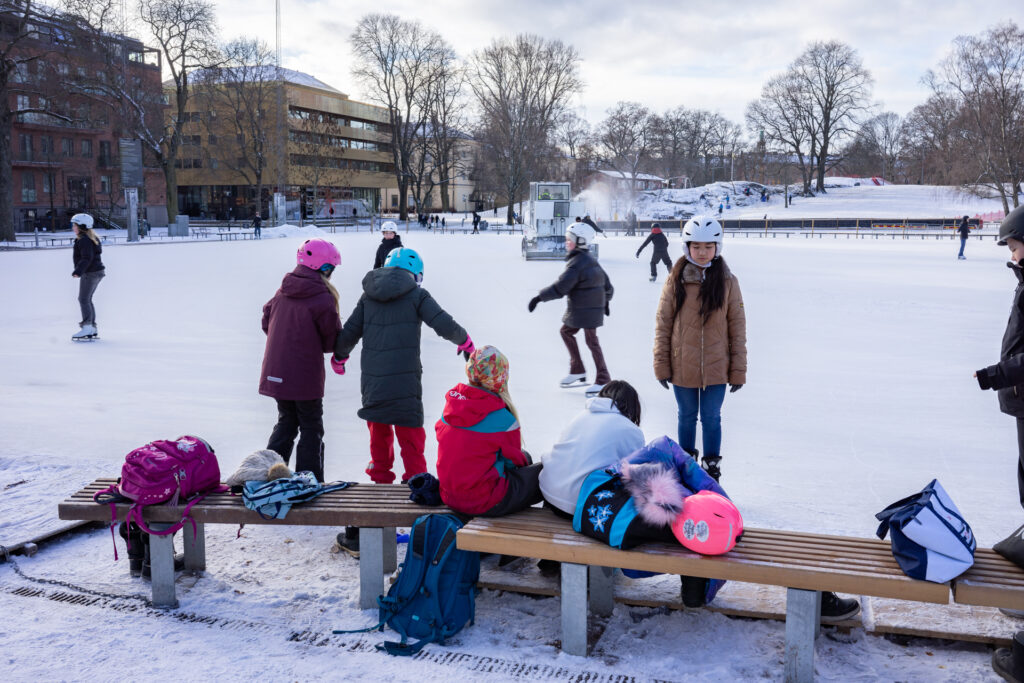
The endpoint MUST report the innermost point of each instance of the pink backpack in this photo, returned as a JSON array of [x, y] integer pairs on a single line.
[[164, 471]]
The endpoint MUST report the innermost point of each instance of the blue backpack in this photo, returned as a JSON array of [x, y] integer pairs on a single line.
[[433, 597]]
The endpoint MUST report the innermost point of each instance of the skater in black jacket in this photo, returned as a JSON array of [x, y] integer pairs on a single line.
[[1007, 378], [660, 242], [589, 290], [391, 240]]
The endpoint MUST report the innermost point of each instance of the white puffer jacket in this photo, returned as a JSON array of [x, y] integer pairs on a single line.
[[597, 438]]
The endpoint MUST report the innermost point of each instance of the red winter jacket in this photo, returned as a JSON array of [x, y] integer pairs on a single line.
[[301, 323], [477, 440]]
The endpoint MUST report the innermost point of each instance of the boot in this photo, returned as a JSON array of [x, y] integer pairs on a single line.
[[835, 608], [136, 549], [693, 590], [1009, 662], [348, 540], [711, 465]]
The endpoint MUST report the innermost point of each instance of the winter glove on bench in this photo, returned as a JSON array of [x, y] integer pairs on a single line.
[[339, 365]]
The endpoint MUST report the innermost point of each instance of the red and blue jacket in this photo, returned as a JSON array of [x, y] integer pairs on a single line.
[[478, 440]]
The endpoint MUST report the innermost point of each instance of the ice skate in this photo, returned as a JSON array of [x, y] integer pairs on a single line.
[[573, 380], [87, 333], [594, 389], [653, 278]]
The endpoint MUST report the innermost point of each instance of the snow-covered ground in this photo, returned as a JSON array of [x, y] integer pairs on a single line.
[[859, 392], [844, 198]]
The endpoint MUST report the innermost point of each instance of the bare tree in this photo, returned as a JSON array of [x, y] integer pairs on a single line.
[[669, 134], [625, 138], [185, 31], [876, 148], [985, 76], [395, 61], [573, 135], [834, 79], [522, 87], [447, 124], [239, 110], [933, 141]]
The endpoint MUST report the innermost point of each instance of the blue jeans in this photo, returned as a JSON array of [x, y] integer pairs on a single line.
[[963, 243], [708, 403]]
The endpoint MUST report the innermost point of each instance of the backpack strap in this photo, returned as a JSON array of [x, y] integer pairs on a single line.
[[111, 496], [886, 515], [135, 515]]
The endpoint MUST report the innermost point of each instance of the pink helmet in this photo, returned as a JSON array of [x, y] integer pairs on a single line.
[[317, 253], [709, 524]]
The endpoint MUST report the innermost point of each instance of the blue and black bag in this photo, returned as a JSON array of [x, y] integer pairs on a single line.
[[434, 596]]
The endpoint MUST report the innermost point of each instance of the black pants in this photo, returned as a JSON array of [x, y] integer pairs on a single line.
[[523, 491], [305, 419], [1020, 459], [660, 256]]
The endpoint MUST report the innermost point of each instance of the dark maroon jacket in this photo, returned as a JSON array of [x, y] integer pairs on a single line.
[[301, 323]]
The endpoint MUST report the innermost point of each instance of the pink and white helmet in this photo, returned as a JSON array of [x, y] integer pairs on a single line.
[[317, 253], [709, 524]]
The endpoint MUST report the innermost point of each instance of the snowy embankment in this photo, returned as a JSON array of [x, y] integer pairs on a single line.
[[859, 393]]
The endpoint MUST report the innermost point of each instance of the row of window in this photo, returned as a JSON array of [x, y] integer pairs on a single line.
[[307, 138], [49, 185], [47, 151], [343, 164], [81, 114], [333, 119]]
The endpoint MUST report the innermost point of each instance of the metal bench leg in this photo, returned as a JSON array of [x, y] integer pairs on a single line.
[[390, 550], [574, 609], [161, 564], [195, 547], [803, 621], [371, 565], [602, 591]]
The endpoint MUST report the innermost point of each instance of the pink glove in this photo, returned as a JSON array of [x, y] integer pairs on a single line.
[[466, 348], [338, 365]]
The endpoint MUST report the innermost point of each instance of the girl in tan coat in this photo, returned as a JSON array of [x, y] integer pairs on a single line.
[[700, 339]]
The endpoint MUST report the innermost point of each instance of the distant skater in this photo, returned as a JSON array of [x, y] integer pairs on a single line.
[[965, 232], [660, 253], [89, 270]]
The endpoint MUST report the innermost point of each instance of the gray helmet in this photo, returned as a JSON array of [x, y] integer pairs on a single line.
[[1012, 226]]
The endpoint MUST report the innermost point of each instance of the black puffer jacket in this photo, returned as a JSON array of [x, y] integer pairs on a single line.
[[386, 245], [587, 286], [387, 317], [660, 244], [1007, 376], [86, 256]]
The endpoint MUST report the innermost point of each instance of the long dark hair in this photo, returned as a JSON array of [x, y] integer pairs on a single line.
[[624, 398], [712, 289]]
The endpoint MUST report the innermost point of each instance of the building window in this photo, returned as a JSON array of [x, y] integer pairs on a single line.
[[23, 102], [105, 184], [212, 139], [28, 187], [86, 148], [46, 146], [49, 182], [67, 147], [24, 147], [104, 160]]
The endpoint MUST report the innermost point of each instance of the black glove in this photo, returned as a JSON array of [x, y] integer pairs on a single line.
[[733, 388], [984, 379], [664, 383], [607, 309], [638, 254], [533, 303]]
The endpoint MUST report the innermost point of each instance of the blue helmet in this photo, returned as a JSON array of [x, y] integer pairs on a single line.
[[406, 259]]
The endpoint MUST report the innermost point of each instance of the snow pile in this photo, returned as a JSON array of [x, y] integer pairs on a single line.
[[289, 230]]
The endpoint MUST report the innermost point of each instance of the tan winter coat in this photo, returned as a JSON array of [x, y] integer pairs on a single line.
[[691, 353]]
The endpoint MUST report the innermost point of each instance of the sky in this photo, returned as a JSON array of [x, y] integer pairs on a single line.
[[658, 52]]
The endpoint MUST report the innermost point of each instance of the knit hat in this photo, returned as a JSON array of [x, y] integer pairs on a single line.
[[488, 368], [656, 228]]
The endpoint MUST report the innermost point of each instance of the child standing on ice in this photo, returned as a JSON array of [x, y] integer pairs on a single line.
[[700, 338], [481, 466], [388, 318], [1007, 378], [660, 250], [301, 323], [89, 270], [589, 292]]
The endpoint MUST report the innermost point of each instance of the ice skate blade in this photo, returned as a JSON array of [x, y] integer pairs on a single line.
[[85, 339], [570, 385]]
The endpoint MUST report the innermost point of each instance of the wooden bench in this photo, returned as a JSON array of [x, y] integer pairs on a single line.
[[805, 564], [992, 581], [376, 509]]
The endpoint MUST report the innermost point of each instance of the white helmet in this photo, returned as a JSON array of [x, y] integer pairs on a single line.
[[83, 219], [389, 226], [581, 234], [703, 229]]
